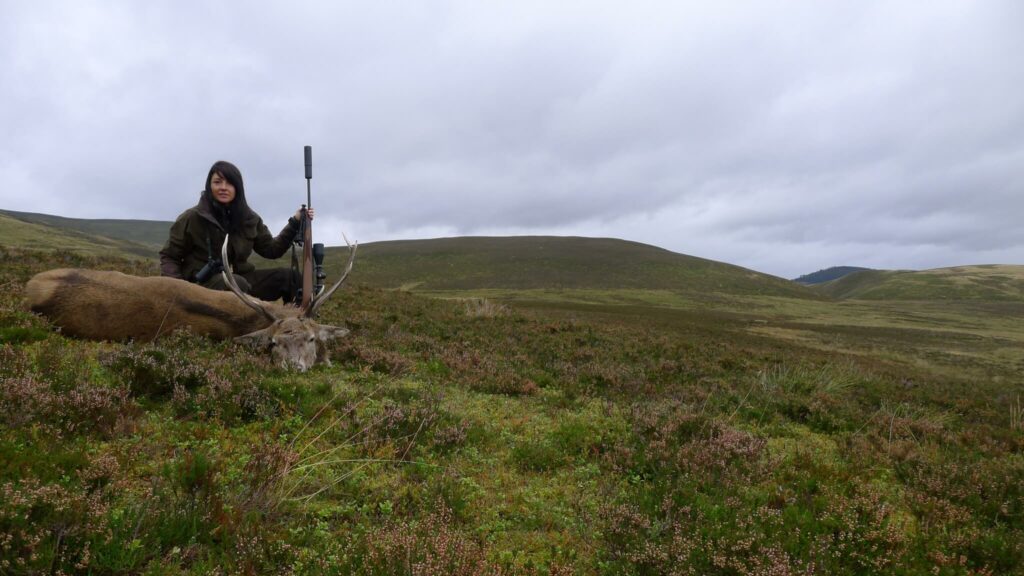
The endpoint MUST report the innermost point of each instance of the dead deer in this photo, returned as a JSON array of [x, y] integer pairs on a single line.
[[105, 305]]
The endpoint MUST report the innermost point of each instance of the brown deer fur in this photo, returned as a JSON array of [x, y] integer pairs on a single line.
[[104, 305]]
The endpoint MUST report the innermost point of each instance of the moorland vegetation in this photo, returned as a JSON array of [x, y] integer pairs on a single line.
[[522, 430]]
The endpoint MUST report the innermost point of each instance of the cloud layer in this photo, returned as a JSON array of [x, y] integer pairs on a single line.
[[782, 136]]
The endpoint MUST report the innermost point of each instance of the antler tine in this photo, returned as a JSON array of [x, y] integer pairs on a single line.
[[229, 279], [325, 295]]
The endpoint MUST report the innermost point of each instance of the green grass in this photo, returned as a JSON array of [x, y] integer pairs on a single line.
[[29, 234], [984, 283], [149, 233], [526, 262], [611, 431], [977, 338], [537, 262]]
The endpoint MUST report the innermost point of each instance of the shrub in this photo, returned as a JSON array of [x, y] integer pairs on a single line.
[[451, 437], [265, 477], [226, 401], [14, 363], [396, 424], [188, 503], [154, 373], [485, 373], [846, 531], [537, 455], [44, 527], [83, 408], [63, 363], [63, 527], [433, 547], [373, 357]]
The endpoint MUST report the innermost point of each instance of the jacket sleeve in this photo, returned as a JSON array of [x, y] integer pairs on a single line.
[[270, 247], [173, 253]]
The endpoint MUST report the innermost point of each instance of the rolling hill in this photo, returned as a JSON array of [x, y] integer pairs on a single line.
[[990, 282], [18, 233], [828, 274], [149, 233], [527, 262], [536, 262]]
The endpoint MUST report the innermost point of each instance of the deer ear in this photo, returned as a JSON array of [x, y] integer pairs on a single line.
[[325, 333], [258, 339]]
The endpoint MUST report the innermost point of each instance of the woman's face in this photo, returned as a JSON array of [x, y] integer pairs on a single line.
[[222, 190]]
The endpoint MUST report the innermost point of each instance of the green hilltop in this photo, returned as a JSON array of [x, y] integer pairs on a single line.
[[828, 274], [990, 282], [539, 262], [535, 263], [21, 233], [149, 233], [525, 262]]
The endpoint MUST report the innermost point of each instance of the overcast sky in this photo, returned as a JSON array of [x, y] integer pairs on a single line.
[[783, 136]]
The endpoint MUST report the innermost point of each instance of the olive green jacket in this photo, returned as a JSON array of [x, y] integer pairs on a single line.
[[196, 233]]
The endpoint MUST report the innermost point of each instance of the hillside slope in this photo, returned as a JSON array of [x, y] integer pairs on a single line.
[[16, 233], [152, 233], [527, 262], [535, 262], [992, 282], [828, 274]]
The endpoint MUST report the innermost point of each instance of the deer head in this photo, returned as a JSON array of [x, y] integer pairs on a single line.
[[294, 341]]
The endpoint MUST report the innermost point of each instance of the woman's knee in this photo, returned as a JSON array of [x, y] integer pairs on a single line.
[[217, 283]]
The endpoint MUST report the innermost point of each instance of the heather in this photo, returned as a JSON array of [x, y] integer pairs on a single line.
[[510, 435]]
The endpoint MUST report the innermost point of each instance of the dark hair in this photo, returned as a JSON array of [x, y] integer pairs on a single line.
[[232, 215]]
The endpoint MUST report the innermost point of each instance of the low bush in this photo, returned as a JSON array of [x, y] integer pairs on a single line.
[[82, 408], [155, 372], [433, 546]]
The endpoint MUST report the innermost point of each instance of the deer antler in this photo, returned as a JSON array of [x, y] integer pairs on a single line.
[[323, 296], [229, 279]]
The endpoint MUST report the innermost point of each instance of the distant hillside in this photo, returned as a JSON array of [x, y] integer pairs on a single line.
[[532, 262], [828, 274], [152, 233], [17, 233], [985, 282], [440, 264]]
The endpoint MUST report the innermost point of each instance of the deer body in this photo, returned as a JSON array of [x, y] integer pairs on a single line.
[[105, 305]]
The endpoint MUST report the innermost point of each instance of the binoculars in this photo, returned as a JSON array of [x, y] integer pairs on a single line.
[[212, 267]]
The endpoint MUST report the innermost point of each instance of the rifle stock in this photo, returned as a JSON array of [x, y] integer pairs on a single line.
[[307, 262]]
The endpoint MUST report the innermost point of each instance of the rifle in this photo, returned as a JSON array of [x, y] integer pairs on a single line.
[[312, 254]]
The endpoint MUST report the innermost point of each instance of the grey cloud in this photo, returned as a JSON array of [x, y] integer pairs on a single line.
[[815, 130]]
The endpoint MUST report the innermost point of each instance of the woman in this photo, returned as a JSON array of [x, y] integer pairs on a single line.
[[197, 235]]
